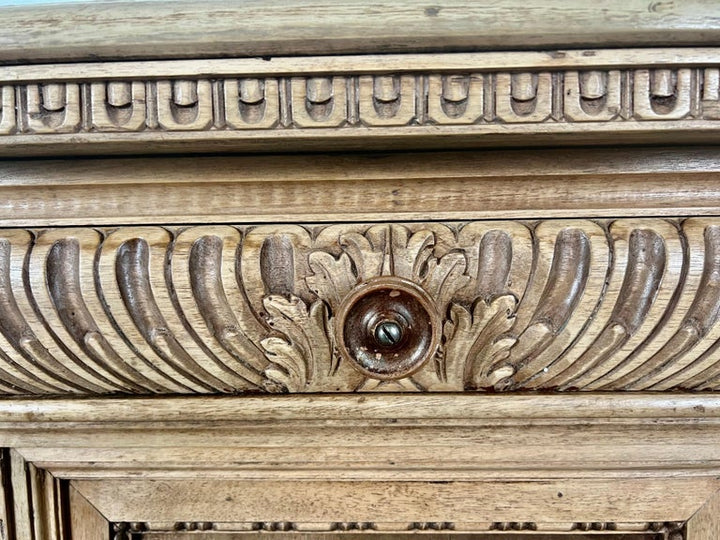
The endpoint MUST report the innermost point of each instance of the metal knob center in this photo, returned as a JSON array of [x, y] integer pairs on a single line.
[[387, 328], [388, 333]]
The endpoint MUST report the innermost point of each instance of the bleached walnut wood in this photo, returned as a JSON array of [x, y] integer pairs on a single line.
[[403, 101], [704, 523], [568, 464], [185, 29], [495, 345], [629, 304], [524, 184], [86, 523], [320, 502]]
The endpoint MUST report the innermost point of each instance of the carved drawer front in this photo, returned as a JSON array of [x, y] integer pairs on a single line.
[[630, 304]]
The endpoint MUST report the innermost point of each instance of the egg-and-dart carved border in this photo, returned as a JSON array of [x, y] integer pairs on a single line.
[[562, 305]]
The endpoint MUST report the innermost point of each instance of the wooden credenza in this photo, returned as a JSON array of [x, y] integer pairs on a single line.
[[300, 271]]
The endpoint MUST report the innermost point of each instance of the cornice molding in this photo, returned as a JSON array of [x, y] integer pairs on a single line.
[[102, 30], [470, 100]]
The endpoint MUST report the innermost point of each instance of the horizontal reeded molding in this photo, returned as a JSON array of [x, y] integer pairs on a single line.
[[394, 101]]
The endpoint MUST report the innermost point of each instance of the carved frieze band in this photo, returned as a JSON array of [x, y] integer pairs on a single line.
[[563, 305], [346, 102], [666, 530]]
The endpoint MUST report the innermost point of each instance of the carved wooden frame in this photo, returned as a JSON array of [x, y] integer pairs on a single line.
[[391, 463]]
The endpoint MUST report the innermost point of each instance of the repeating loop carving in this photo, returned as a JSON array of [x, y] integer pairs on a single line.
[[387, 100], [625, 305], [662, 93], [456, 99], [523, 97], [53, 107], [251, 103], [319, 101], [118, 106], [593, 96], [185, 105], [582, 96]]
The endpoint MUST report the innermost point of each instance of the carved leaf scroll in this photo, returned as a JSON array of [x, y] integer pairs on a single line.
[[629, 305]]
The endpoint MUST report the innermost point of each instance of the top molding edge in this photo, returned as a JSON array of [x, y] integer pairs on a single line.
[[132, 30]]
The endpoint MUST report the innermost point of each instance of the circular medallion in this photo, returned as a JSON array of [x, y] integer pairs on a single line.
[[388, 328]]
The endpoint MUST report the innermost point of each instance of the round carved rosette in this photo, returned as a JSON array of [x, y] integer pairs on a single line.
[[388, 328]]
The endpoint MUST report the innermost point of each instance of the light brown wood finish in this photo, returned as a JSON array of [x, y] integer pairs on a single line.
[[319, 502], [287, 66], [563, 305], [381, 102], [86, 523], [593, 269], [257, 28], [564, 463], [387, 187], [704, 524], [6, 516]]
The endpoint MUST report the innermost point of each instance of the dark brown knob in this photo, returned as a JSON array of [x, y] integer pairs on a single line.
[[388, 328]]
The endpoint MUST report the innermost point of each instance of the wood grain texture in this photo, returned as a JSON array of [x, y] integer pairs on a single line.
[[89, 504], [624, 305], [553, 502], [86, 523], [560, 339], [6, 511], [144, 29], [536, 464], [403, 101], [522, 184], [21, 494], [704, 524], [387, 437]]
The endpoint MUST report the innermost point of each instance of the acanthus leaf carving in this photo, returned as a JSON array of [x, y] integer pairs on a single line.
[[476, 342], [332, 278], [305, 354]]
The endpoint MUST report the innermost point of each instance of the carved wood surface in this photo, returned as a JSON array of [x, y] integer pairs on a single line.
[[400, 531], [630, 305], [254, 102], [36, 503], [592, 465]]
